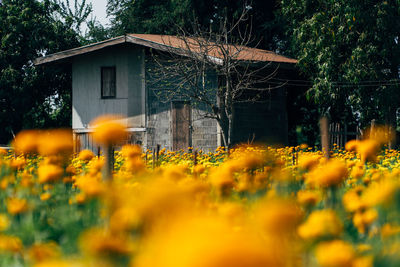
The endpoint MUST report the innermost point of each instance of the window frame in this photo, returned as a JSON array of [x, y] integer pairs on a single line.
[[102, 83]]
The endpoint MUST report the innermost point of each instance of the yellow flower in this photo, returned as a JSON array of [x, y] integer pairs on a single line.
[[368, 150], [363, 219], [352, 145], [26, 141], [108, 130], [134, 165], [381, 192], [352, 201], [131, 151], [56, 142], [4, 222], [45, 196], [18, 163], [16, 206], [44, 252], [320, 223], [10, 244], [91, 186], [279, 216], [307, 162], [332, 173], [85, 155], [336, 253], [49, 173], [99, 242], [308, 198], [389, 230], [365, 261], [209, 242]]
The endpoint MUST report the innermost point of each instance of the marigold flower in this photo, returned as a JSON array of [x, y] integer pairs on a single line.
[[320, 223], [131, 151], [352, 201], [363, 219], [44, 252], [91, 186], [18, 163], [108, 130], [56, 142], [86, 155], [381, 192], [26, 141], [307, 162], [4, 222], [49, 173], [279, 216], [388, 230], [209, 242], [336, 253], [98, 242], [16, 206], [332, 173], [368, 150], [352, 145], [45, 196], [308, 198], [10, 244]]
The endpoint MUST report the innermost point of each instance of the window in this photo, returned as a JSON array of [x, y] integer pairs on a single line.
[[108, 82]]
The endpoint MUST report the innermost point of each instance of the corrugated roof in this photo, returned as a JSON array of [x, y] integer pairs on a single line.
[[175, 45]]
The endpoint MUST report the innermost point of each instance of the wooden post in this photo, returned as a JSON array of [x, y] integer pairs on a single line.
[[194, 157], [154, 158], [158, 153], [324, 132], [371, 130], [109, 162]]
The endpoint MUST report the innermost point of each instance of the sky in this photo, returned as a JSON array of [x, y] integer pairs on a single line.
[[99, 10]]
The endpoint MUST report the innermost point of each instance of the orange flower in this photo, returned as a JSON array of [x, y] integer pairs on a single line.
[[44, 251], [85, 155], [332, 173], [131, 151], [45, 196], [10, 244], [49, 173], [108, 130], [26, 141], [321, 223], [56, 142], [16, 206], [336, 253]]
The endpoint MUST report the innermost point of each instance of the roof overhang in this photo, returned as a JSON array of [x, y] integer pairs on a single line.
[[164, 43]]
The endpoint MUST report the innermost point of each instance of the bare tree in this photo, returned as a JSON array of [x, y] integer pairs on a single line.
[[183, 69]]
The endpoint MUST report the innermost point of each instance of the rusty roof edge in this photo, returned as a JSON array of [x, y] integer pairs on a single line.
[[79, 50], [167, 48]]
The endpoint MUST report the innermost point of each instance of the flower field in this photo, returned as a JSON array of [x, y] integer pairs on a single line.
[[254, 206]]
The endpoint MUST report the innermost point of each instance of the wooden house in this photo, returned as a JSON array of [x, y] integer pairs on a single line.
[[112, 77]]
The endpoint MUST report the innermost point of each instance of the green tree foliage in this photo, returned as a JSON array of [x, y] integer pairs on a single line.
[[350, 50], [166, 16], [74, 16], [31, 96]]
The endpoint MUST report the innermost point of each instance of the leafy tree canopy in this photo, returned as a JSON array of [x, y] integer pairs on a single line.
[[167, 16], [350, 51], [31, 96]]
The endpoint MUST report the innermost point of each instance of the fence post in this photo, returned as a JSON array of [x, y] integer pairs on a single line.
[[324, 131], [154, 158]]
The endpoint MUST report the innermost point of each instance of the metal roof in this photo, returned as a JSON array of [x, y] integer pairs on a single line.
[[176, 45]]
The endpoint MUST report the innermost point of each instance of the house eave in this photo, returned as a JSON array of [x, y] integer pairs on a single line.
[[63, 55]]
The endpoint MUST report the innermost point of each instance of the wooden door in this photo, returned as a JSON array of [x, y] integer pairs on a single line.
[[180, 113]]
